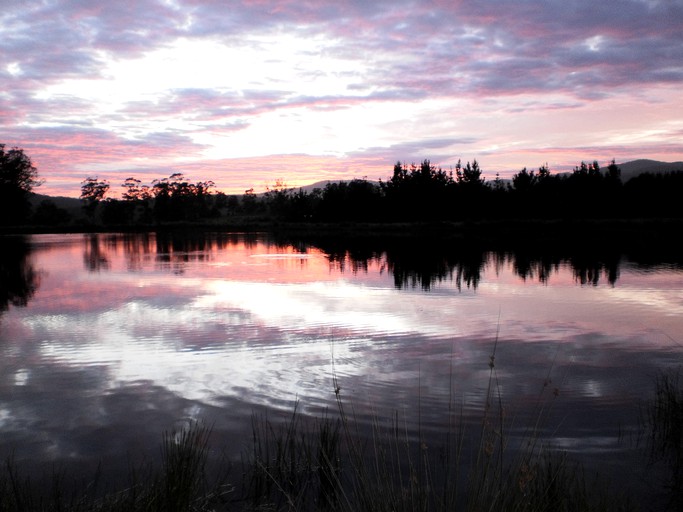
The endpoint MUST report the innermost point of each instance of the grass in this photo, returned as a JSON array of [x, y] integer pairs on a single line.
[[664, 427], [180, 484], [337, 463]]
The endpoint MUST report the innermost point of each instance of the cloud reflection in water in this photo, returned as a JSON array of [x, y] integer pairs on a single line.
[[223, 326]]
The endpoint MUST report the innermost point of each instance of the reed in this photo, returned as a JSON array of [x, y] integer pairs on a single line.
[[336, 462], [337, 466], [664, 428]]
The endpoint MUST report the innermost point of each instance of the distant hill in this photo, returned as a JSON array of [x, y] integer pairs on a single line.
[[70, 204], [320, 185], [60, 201], [636, 167]]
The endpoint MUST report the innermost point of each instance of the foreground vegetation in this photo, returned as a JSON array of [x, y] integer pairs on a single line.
[[332, 463]]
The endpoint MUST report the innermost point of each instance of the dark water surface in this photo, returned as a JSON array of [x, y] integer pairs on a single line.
[[106, 341]]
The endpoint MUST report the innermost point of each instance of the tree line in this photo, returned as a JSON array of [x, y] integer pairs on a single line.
[[166, 200], [412, 193], [417, 192], [423, 192]]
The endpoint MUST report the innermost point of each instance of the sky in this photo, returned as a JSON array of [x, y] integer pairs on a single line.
[[250, 93]]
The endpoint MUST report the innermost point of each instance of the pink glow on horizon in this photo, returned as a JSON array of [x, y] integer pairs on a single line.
[[305, 92]]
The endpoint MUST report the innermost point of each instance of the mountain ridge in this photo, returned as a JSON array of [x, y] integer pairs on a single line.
[[636, 167]]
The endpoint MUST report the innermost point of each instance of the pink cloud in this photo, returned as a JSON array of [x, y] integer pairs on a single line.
[[563, 54]]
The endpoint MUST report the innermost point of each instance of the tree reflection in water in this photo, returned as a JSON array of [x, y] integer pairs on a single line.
[[425, 263], [414, 262], [18, 279]]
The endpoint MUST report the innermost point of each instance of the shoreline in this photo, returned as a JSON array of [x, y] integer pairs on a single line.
[[640, 232]]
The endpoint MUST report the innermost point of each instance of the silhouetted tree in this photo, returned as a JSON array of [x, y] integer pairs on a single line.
[[305, 204], [18, 178], [277, 198], [470, 175], [534, 194], [499, 204], [498, 183], [583, 192], [612, 191], [548, 200], [472, 193], [93, 192], [525, 200], [137, 198], [250, 202], [613, 172], [655, 195], [176, 199], [524, 181], [201, 191], [543, 173], [355, 200], [397, 192], [221, 204], [135, 191], [419, 192]]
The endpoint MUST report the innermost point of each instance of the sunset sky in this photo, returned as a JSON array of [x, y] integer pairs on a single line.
[[246, 93]]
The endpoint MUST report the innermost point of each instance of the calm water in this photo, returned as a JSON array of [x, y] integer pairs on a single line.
[[108, 340]]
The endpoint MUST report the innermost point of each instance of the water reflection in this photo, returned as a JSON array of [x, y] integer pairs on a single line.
[[18, 279], [426, 262], [95, 257], [588, 268], [421, 264], [131, 332], [169, 251]]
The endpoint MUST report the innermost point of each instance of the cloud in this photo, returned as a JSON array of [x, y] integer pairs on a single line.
[[520, 47], [435, 40], [441, 152], [66, 155], [324, 78]]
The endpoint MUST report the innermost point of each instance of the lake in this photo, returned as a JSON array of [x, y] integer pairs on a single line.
[[108, 340]]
